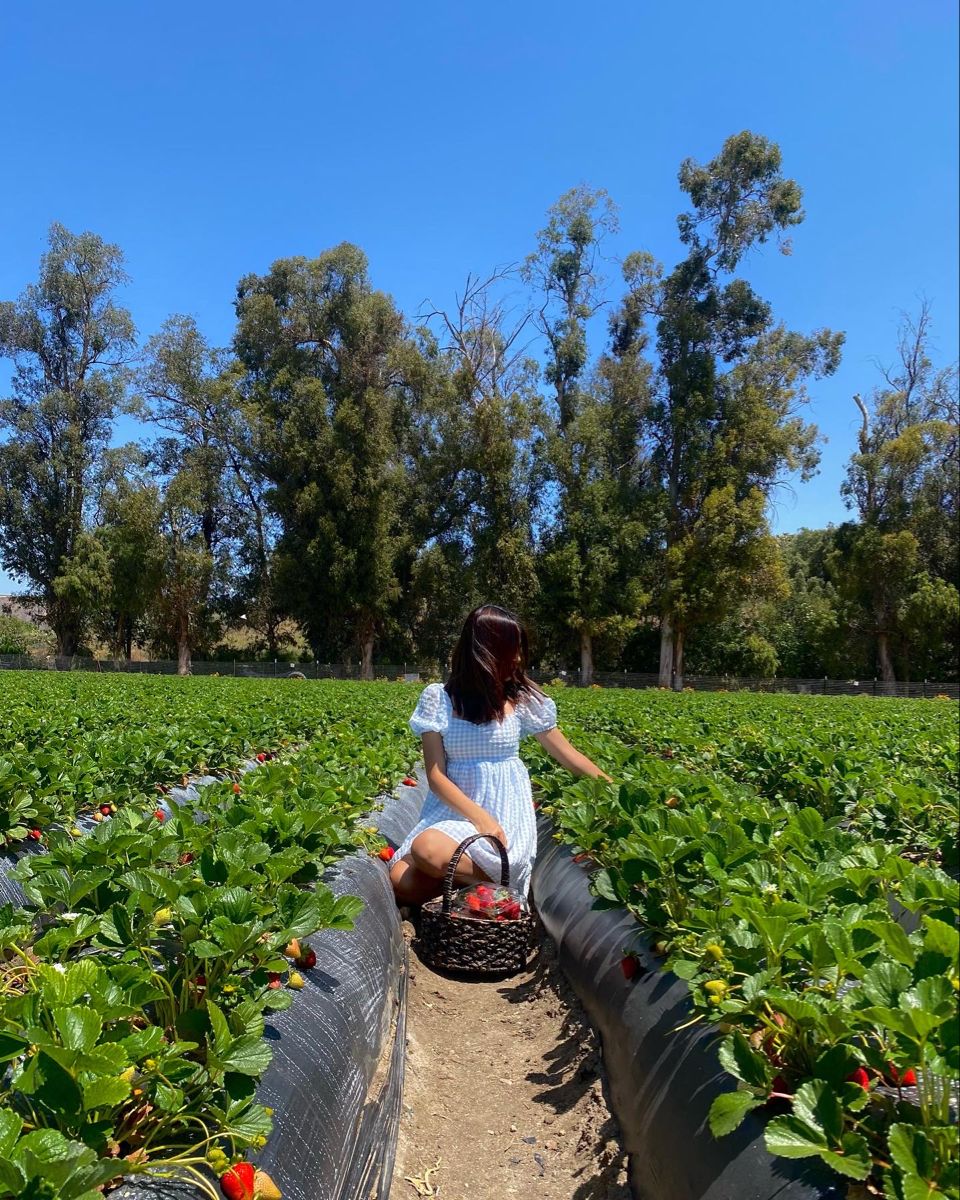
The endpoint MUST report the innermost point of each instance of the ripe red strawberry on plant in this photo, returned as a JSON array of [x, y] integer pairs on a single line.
[[105, 809], [629, 965], [273, 980], [160, 815], [408, 782], [35, 834], [238, 1182], [859, 1076], [386, 853], [893, 1075], [261, 757], [236, 789]]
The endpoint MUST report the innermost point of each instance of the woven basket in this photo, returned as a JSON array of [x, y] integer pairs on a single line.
[[475, 945]]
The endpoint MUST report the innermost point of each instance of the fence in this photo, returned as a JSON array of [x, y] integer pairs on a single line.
[[282, 668]]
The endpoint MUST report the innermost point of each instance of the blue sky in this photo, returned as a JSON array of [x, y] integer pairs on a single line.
[[209, 139]]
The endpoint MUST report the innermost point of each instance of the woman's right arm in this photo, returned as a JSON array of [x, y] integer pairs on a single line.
[[435, 762]]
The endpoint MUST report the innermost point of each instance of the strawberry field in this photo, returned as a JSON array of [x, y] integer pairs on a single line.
[[795, 862], [793, 859], [158, 938]]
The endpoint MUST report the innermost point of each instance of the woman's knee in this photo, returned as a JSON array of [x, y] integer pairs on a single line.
[[431, 852]]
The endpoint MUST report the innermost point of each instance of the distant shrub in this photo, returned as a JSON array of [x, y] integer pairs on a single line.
[[16, 636]]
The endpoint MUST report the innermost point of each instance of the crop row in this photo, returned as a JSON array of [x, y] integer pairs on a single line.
[[765, 845], [135, 984]]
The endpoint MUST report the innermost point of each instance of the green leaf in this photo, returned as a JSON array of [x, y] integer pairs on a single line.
[[792, 1138], [729, 1109], [941, 938], [169, 1099], [78, 1027], [884, 981], [57, 1088], [12, 1177], [219, 1027], [203, 948], [853, 1159], [247, 1056], [602, 884], [10, 1127], [11, 1047], [743, 1062], [105, 1093], [816, 1104]]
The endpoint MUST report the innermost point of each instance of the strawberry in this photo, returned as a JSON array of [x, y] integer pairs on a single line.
[[861, 1077], [273, 980], [308, 959], [160, 815], [239, 1182], [261, 758], [386, 853], [105, 809], [512, 911], [265, 1188], [408, 782], [907, 1078], [236, 789], [98, 816], [35, 834], [186, 858], [780, 1085], [293, 949], [295, 980], [629, 966]]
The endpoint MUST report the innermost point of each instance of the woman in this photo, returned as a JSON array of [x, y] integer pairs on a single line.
[[471, 730]]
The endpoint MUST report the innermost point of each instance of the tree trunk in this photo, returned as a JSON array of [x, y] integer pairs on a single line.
[[272, 631], [586, 658], [65, 632], [184, 661], [128, 639], [366, 669], [678, 660], [666, 651], [887, 673]]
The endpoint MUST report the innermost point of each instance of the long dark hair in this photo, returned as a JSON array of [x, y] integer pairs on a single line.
[[489, 665]]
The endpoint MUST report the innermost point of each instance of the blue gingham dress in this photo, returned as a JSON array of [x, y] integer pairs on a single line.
[[483, 761]]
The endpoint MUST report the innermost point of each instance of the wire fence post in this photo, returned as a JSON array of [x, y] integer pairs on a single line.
[[824, 685]]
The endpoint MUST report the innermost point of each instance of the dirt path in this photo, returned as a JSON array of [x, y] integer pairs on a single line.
[[504, 1092]]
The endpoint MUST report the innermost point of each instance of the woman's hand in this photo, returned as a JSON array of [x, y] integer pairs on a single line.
[[485, 823]]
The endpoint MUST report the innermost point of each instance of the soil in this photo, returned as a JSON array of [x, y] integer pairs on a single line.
[[505, 1091]]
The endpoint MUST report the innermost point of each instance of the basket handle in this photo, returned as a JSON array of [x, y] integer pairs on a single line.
[[455, 862]]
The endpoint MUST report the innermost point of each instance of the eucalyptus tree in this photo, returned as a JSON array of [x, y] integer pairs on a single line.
[[725, 421], [71, 344], [318, 344], [590, 543], [899, 574]]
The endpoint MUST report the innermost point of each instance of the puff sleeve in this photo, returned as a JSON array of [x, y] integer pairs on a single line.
[[430, 715], [538, 714]]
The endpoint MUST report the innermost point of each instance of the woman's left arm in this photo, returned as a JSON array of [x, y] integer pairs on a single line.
[[557, 746]]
